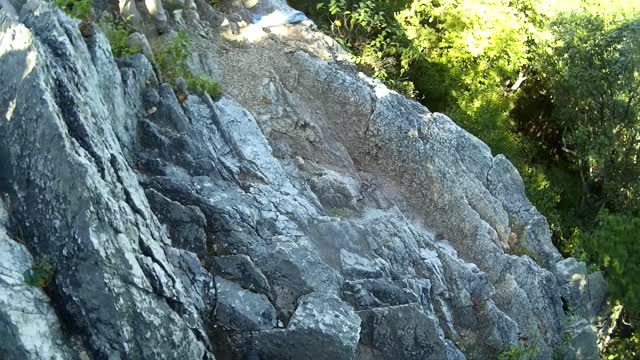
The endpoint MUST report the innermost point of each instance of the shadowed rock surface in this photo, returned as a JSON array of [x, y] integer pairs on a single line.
[[309, 213]]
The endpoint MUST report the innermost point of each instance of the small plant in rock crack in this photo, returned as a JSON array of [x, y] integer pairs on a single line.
[[339, 213], [117, 31], [519, 352], [80, 9], [525, 350], [41, 272], [171, 60], [203, 84], [171, 57]]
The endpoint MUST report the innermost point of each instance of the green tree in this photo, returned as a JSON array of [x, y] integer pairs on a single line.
[[614, 245], [595, 90]]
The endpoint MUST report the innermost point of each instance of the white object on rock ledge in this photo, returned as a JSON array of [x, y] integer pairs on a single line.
[[279, 17]]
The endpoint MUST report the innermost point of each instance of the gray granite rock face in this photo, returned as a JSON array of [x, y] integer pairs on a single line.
[[29, 328], [241, 269], [323, 327], [584, 294], [185, 224], [405, 332], [63, 144], [583, 341], [462, 193], [242, 310], [337, 220]]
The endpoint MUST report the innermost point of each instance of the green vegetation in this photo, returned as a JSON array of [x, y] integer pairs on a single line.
[[614, 245], [41, 273], [171, 59], [553, 85], [624, 348], [340, 213], [80, 9], [566, 335], [117, 31], [519, 352], [524, 350], [204, 85]]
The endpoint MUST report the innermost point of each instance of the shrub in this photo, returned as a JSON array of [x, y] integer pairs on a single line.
[[519, 352], [117, 31], [202, 84], [41, 273], [171, 59], [594, 86], [624, 348], [340, 213], [80, 9], [614, 246]]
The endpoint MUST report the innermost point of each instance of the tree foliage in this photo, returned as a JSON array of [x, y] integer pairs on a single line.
[[615, 246], [595, 89]]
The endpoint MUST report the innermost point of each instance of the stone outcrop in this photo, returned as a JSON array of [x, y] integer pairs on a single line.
[[29, 327], [309, 213]]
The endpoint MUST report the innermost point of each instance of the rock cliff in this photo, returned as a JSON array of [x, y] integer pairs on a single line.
[[310, 213]]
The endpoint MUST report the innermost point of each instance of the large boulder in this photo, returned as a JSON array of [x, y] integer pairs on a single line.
[[241, 310], [584, 294], [322, 327], [404, 332]]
